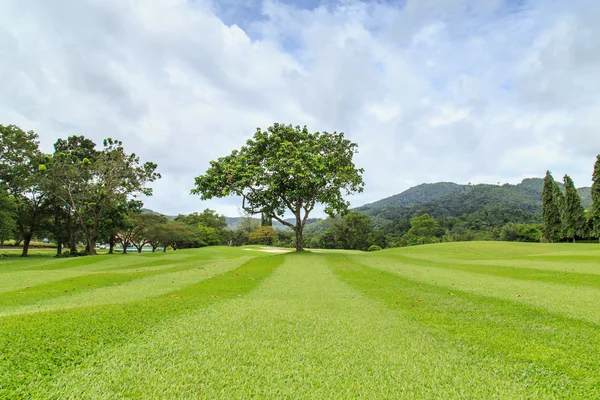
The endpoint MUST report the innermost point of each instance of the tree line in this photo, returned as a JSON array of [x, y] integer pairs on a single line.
[[77, 193], [564, 217]]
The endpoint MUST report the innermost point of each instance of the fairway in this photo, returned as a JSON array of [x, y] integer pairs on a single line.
[[453, 320]]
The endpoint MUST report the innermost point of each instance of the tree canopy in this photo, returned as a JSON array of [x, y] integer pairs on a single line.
[[286, 168]]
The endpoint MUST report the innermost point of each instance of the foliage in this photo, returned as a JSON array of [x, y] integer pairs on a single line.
[[512, 232], [574, 221], [22, 171], [423, 230], [93, 182], [551, 212], [212, 226], [208, 218], [374, 247], [594, 214], [286, 168], [7, 216], [209, 235], [263, 235]]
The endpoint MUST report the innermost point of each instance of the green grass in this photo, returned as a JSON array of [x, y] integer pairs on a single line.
[[457, 320]]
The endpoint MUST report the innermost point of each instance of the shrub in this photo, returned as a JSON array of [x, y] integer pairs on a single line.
[[374, 247]]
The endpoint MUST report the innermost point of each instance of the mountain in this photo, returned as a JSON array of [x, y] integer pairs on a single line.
[[149, 211], [422, 193], [475, 207]]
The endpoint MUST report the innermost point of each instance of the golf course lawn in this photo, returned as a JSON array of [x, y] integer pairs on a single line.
[[454, 320]]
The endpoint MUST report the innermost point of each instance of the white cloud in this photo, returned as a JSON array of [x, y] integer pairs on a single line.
[[434, 90]]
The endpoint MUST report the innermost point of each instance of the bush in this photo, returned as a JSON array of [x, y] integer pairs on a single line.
[[374, 247]]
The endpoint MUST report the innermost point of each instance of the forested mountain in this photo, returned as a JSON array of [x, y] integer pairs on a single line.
[[422, 193], [463, 208]]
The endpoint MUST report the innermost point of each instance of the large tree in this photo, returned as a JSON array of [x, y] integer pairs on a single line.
[[286, 168], [551, 213], [93, 182], [594, 213], [574, 221], [22, 172]]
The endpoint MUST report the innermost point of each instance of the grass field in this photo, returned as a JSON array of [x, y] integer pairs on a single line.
[[456, 320]]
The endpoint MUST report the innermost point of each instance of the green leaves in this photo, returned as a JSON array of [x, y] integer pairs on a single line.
[[574, 222], [286, 167], [594, 213]]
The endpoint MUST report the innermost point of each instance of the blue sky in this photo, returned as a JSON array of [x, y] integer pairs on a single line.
[[431, 90]]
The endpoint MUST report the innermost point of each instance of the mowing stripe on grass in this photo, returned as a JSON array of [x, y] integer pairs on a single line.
[[302, 334], [553, 356], [569, 300], [34, 347], [521, 272], [107, 288]]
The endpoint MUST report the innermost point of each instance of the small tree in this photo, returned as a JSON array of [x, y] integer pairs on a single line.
[[286, 168]]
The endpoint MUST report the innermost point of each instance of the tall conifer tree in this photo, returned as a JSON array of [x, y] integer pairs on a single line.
[[551, 214], [574, 222], [594, 213]]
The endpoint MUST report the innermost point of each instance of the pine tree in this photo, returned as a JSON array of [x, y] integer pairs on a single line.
[[551, 214], [594, 213], [574, 222]]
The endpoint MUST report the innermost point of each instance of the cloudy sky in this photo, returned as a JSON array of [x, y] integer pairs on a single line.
[[431, 90]]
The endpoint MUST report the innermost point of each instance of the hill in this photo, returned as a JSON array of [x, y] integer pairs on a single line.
[[480, 207], [422, 193]]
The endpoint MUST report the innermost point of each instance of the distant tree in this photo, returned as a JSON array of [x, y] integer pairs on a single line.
[[286, 168], [594, 212], [263, 235], [146, 228], [574, 221], [208, 218], [266, 220], [209, 235], [551, 213], [512, 232], [116, 219], [423, 230], [352, 231]]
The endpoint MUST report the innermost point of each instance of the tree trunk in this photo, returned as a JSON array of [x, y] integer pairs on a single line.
[[72, 235], [164, 248], [298, 238], [125, 244], [111, 245], [91, 246], [59, 248], [26, 240], [139, 249]]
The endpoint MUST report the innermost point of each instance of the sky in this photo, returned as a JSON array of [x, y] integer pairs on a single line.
[[479, 91]]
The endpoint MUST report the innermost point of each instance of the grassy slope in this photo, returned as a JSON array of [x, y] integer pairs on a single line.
[[460, 320]]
